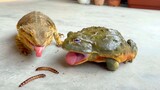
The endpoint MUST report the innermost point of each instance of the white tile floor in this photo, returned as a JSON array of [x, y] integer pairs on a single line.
[[143, 26]]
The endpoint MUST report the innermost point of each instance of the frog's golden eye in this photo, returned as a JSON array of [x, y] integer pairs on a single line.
[[29, 34], [77, 40]]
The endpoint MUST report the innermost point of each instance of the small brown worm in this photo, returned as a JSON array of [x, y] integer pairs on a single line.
[[47, 69], [31, 79]]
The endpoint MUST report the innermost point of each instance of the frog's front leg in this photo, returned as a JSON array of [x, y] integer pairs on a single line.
[[112, 64], [57, 37], [22, 48]]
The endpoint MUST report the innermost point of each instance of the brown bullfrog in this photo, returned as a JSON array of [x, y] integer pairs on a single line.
[[99, 44], [35, 32]]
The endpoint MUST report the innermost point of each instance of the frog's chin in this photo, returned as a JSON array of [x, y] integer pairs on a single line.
[[74, 58]]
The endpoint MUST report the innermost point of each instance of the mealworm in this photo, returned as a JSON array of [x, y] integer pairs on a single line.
[[31, 79], [47, 69]]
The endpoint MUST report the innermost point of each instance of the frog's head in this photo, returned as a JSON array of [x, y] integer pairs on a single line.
[[36, 37], [133, 46], [79, 47]]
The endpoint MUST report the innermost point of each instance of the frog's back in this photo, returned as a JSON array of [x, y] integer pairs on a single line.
[[37, 18], [106, 42]]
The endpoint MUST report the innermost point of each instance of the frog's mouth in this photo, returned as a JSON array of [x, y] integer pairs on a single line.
[[74, 58], [37, 48]]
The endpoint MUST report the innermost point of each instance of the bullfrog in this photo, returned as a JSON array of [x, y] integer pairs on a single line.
[[35, 32], [100, 45]]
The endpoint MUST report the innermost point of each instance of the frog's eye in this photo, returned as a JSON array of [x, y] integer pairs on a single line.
[[70, 33], [77, 40], [29, 34]]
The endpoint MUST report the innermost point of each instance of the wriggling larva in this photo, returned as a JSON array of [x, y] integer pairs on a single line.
[[47, 69], [31, 79]]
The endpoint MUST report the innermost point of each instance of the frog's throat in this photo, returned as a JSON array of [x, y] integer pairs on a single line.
[[75, 58]]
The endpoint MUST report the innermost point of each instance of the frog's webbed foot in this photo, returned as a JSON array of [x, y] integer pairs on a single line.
[[112, 64], [23, 50]]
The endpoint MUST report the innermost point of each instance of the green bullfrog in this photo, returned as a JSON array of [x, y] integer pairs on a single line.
[[99, 44]]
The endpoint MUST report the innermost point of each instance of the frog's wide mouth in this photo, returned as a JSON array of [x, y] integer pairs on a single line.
[[37, 48], [74, 58]]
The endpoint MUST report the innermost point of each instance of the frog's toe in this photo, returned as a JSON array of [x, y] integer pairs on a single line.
[[61, 35], [125, 62], [25, 51], [130, 61], [112, 64], [59, 44]]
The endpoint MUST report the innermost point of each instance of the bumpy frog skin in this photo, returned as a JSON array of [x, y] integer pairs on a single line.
[[99, 44], [35, 32]]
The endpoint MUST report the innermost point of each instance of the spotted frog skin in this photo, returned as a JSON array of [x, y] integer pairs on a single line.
[[35, 32], [99, 44]]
